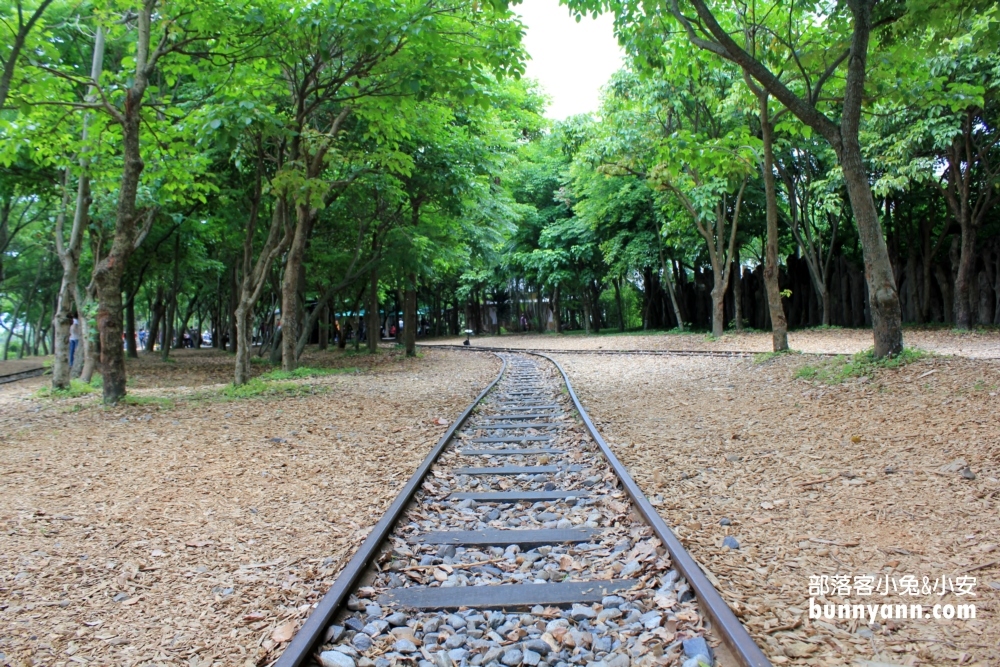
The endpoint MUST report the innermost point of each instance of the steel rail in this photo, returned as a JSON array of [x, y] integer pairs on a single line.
[[299, 649], [737, 639], [21, 375]]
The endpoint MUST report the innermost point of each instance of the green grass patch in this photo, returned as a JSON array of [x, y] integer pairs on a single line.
[[76, 390], [159, 401], [303, 372], [862, 364], [765, 357], [260, 361]]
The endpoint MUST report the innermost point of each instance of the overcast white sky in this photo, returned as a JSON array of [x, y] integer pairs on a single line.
[[571, 60]]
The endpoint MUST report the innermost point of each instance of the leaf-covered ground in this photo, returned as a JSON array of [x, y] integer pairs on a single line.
[[199, 530], [866, 477], [982, 343]]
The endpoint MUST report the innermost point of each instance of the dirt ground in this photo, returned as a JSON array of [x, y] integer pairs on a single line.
[[860, 478], [200, 532], [982, 344]]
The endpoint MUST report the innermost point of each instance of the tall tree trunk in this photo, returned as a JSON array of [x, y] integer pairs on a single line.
[[556, 315], [964, 276], [157, 317], [127, 235], [291, 285], [324, 326], [618, 301], [410, 315], [131, 349], [779, 325], [372, 314], [168, 326], [718, 301], [69, 255], [738, 293]]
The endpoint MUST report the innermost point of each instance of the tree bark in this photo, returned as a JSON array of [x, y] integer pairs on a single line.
[[69, 255], [127, 235], [157, 316], [410, 315], [372, 314], [779, 325]]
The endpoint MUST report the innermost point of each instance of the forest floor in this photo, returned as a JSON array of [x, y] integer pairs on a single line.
[[191, 528], [194, 528], [981, 343], [887, 474]]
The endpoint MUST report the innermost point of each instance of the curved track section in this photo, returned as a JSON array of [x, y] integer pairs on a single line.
[[522, 541]]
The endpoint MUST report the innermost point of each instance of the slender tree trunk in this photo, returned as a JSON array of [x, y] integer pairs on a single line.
[[324, 327], [130, 343], [718, 301], [168, 325], [243, 321], [62, 320], [556, 315], [372, 314], [618, 301], [738, 293], [157, 317], [779, 325], [410, 315], [964, 276]]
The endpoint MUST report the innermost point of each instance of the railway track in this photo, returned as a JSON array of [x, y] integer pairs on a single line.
[[522, 541]]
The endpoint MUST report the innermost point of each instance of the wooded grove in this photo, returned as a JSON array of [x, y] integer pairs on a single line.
[[263, 176]]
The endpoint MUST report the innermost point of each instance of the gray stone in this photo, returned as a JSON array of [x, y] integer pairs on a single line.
[[442, 659], [531, 658], [446, 551], [492, 655], [512, 657], [865, 633], [382, 662], [375, 628], [362, 642], [609, 614], [968, 474], [335, 659], [427, 559], [602, 644], [538, 646], [455, 641], [354, 623], [404, 646], [619, 660], [697, 661], [610, 601], [651, 620], [347, 650], [333, 634], [121, 597], [458, 654], [397, 619], [354, 604], [697, 646], [630, 568], [455, 621], [725, 522], [730, 542], [432, 624], [493, 515], [373, 611], [564, 523], [580, 612]]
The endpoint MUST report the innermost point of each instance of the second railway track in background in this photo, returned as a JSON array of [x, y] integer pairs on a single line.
[[522, 541]]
